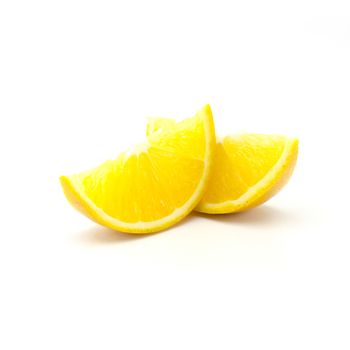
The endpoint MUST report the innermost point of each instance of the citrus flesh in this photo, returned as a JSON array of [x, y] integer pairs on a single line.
[[248, 169], [152, 186]]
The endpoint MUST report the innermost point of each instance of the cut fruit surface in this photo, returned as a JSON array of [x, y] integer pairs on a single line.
[[248, 169], [153, 186]]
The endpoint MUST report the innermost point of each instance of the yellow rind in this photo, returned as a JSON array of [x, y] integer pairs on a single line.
[[266, 188], [85, 206]]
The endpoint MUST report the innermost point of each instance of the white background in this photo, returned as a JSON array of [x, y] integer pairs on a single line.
[[77, 79]]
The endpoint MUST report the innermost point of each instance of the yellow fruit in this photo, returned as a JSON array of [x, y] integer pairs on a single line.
[[153, 186], [248, 169]]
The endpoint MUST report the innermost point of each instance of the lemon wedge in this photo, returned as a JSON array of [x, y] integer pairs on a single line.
[[153, 186], [249, 169]]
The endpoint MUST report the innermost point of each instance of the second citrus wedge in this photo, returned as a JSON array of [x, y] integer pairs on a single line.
[[248, 170]]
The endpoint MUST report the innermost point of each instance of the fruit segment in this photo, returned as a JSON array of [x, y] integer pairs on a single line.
[[248, 170], [153, 186]]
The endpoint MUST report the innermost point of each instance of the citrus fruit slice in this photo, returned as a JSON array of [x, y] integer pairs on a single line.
[[152, 186], [248, 169]]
